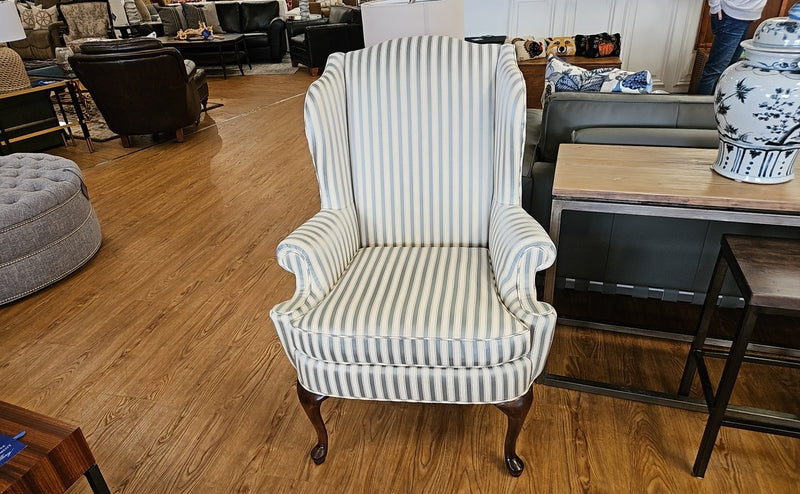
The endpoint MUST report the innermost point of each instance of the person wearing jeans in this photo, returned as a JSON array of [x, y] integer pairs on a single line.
[[730, 20]]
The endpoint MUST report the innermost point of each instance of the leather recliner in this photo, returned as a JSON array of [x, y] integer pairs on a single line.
[[311, 42], [141, 87]]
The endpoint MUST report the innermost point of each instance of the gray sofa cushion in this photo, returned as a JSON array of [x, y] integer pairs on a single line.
[[646, 136]]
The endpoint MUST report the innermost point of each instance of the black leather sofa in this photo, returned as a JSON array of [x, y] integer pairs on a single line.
[[264, 31], [162, 92], [311, 42]]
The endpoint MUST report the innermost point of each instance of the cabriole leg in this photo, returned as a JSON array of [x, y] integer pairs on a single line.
[[311, 403], [516, 411]]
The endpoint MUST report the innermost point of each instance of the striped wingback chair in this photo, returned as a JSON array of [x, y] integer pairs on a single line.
[[415, 281]]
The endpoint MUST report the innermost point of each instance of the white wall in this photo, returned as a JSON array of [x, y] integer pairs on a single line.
[[657, 35]]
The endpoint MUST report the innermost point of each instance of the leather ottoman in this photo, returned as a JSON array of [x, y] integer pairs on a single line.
[[48, 228]]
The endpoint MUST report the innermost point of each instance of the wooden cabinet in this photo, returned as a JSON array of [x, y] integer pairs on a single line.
[[533, 72], [773, 8]]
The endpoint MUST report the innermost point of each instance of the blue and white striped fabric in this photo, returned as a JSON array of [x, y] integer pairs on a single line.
[[415, 282]]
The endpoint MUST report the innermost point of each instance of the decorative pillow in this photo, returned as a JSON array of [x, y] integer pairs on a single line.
[[35, 16], [561, 76], [86, 19], [598, 45], [143, 11], [341, 14], [26, 15], [529, 47], [561, 46], [202, 12], [131, 12], [172, 18]]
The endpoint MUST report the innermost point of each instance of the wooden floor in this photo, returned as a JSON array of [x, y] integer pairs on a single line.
[[162, 350]]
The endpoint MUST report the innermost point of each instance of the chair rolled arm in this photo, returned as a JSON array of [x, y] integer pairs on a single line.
[[519, 248], [317, 253]]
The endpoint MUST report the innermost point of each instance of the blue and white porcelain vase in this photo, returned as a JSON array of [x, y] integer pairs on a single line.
[[757, 106]]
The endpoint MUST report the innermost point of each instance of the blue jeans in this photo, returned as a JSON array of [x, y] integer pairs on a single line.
[[725, 49]]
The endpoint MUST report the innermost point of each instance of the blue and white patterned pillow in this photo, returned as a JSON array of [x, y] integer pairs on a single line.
[[561, 76]]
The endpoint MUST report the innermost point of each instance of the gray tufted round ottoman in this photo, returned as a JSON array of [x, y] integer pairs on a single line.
[[48, 228]]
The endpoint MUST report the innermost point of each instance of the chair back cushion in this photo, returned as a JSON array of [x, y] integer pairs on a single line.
[[86, 19], [421, 130]]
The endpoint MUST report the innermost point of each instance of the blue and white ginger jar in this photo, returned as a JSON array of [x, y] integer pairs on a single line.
[[757, 106]]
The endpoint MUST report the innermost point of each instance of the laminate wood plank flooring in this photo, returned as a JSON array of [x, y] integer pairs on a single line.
[[162, 350]]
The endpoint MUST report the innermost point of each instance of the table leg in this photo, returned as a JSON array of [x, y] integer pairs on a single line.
[[222, 61], [81, 120], [555, 231], [714, 289], [247, 55], [96, 480], [724, 391]]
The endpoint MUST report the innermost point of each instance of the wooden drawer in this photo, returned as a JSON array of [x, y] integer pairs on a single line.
[[533, 71]]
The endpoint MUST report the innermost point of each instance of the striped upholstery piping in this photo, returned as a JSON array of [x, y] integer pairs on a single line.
[[410, 201], [464, 385]]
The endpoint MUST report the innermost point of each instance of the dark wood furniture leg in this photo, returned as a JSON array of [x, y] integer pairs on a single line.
[[96, 480], [516, 411], [311, 403]]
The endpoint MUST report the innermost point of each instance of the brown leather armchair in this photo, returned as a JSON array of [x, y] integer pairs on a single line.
[[141, 87]]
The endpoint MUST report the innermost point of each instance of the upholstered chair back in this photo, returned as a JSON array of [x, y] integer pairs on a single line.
[[421, 139]]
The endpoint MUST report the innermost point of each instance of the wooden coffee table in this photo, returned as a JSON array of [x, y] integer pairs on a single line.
[[55, 457], [197, 50]]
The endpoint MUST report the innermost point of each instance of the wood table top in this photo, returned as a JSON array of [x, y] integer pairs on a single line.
[[55, 456], [662, 176]]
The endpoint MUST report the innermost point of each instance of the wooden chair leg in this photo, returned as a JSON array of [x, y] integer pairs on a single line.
[[311, 403], [126, 141], [516, 411], [179, 135]]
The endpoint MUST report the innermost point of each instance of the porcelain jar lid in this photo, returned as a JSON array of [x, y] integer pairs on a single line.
[[782, 33]]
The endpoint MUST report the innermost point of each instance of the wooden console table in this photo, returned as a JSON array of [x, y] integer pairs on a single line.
[[55, 457], [655, 181], [533, 72]]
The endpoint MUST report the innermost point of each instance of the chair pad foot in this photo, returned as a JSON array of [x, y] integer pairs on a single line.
[[514, 465], [319, 453]]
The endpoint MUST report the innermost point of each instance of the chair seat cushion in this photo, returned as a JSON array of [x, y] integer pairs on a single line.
[[367, 319]]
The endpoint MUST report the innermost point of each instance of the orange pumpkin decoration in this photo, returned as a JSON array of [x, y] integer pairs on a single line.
[[605, 48]]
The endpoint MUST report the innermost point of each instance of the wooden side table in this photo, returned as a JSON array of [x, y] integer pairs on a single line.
[[55, 457], [767, 271], [533, 72]]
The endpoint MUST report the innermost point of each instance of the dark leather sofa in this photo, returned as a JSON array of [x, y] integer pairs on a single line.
[[645, 256], [141, 87], [264, 31], [311, 42]]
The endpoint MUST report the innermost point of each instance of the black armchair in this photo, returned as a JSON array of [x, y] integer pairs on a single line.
[[141, 87], [311, 42]]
